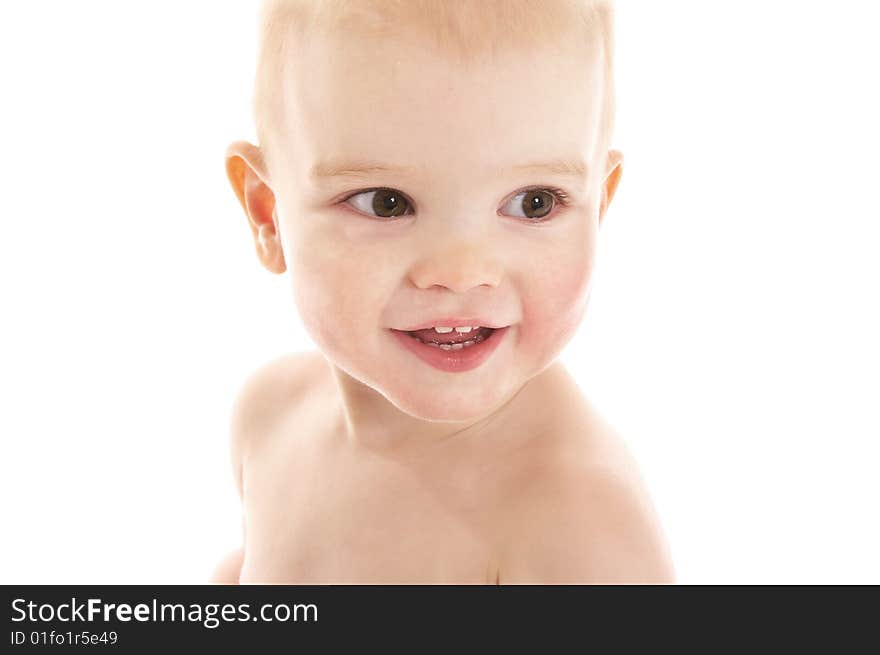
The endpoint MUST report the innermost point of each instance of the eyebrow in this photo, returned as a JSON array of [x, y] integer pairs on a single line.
[[575, 168]]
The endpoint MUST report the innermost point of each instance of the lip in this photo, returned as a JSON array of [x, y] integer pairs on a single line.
[[453, 361], [455, 322]]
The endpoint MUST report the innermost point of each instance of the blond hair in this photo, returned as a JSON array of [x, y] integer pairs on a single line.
[[465, 29]]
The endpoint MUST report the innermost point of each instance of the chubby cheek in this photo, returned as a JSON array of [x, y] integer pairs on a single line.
[[555, 296], [339, 291]]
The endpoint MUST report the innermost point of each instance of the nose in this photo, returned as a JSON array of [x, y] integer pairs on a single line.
[[459, 265]]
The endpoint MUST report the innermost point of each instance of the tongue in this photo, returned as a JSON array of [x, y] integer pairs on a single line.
[[450, 337]]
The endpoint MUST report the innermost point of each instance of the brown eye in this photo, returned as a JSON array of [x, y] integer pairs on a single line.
[[383, 203], [536, 203]]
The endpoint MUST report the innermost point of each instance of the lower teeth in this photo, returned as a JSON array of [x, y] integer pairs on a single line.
[[452, 346]]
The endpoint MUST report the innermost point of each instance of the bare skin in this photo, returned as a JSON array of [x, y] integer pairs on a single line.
[[361, 463], [320, 509]]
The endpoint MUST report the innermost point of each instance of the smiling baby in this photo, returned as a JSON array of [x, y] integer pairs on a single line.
[[432, 177]]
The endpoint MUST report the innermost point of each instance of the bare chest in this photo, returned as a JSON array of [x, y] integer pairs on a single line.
[[312, 520]]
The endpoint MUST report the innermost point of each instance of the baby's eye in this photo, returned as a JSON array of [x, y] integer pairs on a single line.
[[535, 204], [385, 203]]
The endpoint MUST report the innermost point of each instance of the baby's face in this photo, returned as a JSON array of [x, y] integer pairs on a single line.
[[459, 227]]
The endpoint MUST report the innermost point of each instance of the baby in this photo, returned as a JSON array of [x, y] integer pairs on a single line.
[[434, 175]]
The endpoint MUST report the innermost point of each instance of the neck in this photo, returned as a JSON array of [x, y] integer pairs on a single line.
[[370, 420]]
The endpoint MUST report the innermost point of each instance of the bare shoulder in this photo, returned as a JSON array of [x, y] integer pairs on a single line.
[[583, 514], [269, 393], [273, 385]]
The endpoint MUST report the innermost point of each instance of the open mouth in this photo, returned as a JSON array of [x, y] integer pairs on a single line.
[[454, 340], [454, 351]]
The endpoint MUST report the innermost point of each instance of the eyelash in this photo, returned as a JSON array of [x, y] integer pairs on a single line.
[[560, 196]]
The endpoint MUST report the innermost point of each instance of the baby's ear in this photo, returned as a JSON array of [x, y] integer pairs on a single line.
[[247, 173], [614, 169]]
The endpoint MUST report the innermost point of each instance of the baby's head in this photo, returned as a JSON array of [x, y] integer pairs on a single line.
[[422, 160]]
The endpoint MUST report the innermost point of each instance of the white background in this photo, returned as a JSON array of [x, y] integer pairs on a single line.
[[732, 337]]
